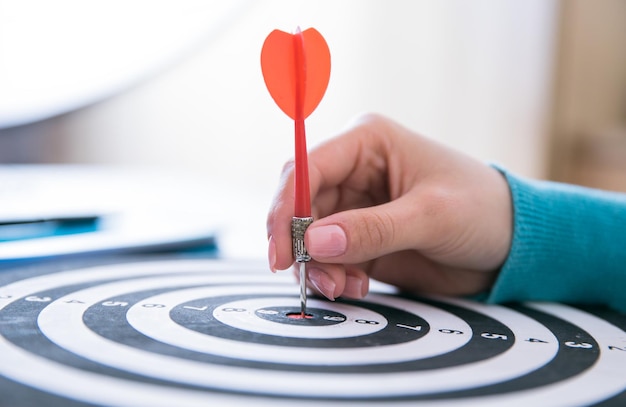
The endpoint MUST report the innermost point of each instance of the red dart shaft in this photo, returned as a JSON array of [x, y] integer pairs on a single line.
[[302, 207]]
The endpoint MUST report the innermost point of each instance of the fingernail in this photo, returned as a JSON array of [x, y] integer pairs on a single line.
[[326, 241], [271, 254], [322, 282], [353, 288]]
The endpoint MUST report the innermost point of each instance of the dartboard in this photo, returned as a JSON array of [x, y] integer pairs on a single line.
[[197, 332]]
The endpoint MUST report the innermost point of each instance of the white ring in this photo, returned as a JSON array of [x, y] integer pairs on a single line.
[[248, 320]]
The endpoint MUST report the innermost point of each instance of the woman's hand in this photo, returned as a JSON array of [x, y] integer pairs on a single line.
[[398, 207]]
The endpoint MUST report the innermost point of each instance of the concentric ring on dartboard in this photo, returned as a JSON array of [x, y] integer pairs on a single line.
[[25, 299], [399, 376], [189, 329], [251, 315], [56, 331], [363, 329], [154, 322], [275, 316]]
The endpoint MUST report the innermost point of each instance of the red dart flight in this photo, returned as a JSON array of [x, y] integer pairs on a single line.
[[296, 70]]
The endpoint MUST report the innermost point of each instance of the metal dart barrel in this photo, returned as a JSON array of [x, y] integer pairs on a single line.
[[298, 228]]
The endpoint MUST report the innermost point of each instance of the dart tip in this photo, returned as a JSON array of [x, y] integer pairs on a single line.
[[303, 290]]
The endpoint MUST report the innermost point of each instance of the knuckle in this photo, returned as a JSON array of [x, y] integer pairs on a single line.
[[288, 167], [371, 121], [370, 117]]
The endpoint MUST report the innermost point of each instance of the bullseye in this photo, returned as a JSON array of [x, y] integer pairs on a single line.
[[299, 315], [313, 317]]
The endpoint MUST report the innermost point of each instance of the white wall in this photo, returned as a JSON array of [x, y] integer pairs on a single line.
[[474, 74]]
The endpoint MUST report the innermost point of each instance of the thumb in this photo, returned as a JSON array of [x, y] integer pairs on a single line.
[[358, 235]]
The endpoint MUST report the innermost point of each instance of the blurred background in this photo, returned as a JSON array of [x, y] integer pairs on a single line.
[[538, 86]]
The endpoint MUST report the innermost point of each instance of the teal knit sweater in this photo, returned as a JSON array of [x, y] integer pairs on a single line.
[[569, 245]]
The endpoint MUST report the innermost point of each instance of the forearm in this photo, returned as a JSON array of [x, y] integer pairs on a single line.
[[569, 245]]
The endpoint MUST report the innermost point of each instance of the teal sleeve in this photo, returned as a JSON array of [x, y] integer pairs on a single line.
[[569, 245]]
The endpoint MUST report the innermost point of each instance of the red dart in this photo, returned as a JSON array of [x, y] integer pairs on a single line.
[[296, 70]]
